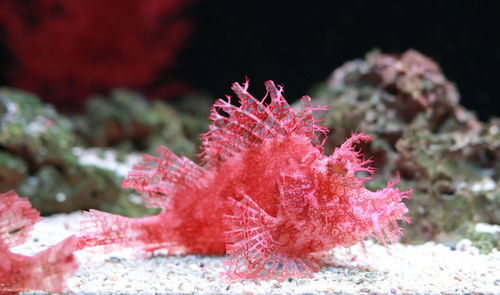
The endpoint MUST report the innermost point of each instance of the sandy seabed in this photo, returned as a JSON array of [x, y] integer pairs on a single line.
[[419, 269]]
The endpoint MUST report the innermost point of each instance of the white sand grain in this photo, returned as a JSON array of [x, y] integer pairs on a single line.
[[422, 269]]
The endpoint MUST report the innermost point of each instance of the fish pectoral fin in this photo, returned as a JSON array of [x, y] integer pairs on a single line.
[[252, 250], [279, 266], [272, 266], [249, 240]]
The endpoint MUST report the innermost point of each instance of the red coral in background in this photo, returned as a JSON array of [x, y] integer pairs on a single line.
[[47, 270], [66, 50]]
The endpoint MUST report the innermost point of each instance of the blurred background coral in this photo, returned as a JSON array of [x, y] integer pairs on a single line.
[[64, 50]]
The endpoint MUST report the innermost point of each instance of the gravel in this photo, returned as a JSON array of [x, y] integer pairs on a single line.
[[417, 269]]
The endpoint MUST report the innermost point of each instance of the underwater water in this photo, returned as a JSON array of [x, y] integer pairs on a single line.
[[121, 172], [445, 155]]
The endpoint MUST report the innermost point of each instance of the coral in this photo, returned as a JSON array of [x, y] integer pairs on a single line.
[[443, 151], [265, 193], [65, 50], [47, 270], [128, 121]]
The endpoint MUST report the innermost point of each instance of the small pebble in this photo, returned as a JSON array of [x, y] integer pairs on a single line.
[[113, 259], [359, 281]]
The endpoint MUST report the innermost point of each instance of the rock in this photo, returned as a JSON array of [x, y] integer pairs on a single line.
[[12, 171], [33, 129], [37, 159], [444, 153], [128, 121]]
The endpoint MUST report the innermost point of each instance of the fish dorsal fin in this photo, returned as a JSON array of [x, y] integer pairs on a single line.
[[236, 128], [307, 123], [17, 219], [159, 177]]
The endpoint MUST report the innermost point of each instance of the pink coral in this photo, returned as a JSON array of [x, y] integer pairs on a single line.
[[266, 193], [47, 270], [65, 50]]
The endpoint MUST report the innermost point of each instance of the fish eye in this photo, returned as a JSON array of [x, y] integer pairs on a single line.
[[337, 168]]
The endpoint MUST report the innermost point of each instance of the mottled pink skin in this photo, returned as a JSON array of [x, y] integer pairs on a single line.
[[47, 270], [266, 194]]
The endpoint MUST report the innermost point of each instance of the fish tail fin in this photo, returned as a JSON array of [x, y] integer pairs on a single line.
[[109, 232]]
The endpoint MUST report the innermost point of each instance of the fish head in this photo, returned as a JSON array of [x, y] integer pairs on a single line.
[[314, 197], [324, 201], [350, 211]]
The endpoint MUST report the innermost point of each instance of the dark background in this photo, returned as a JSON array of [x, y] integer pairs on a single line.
[[299, 43]]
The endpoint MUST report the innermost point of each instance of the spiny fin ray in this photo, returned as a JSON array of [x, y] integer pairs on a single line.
[[254, 121], [250, 244], [160, 177]]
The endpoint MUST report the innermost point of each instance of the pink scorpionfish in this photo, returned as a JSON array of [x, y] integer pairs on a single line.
[[266, 194], [47, 270]]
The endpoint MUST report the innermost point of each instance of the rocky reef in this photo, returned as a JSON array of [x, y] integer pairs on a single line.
[[447, 156], [127, 121], [65, 163]]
